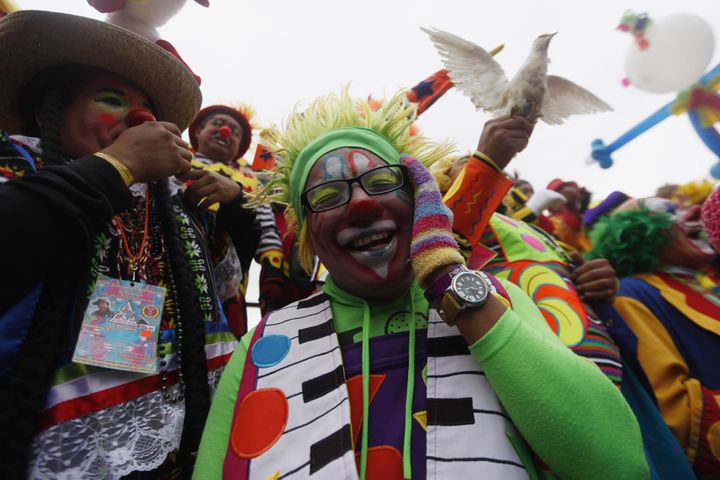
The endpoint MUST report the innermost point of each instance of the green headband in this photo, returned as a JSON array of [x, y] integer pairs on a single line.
[[352, 137]]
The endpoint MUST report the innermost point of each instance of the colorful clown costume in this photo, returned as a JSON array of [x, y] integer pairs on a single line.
[[529, 258], [289, 403], [668, 329]]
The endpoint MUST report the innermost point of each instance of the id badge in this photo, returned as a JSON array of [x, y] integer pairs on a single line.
[[121, 325]]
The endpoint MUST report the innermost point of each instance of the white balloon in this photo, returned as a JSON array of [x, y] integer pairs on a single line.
[[680, 48]]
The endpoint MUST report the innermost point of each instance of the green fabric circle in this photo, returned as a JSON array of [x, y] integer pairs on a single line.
[[352, 137]]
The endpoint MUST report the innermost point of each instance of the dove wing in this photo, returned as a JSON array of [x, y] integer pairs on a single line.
[[471, 68], [564, 98]]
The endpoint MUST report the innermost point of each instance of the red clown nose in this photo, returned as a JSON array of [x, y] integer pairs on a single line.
[[363, 212], [224, 131], [138, 116]]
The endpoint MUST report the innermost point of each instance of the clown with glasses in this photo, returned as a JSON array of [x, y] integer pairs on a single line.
[[407, 364]]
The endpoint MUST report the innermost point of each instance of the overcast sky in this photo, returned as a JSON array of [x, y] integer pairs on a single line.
[[274, 54]]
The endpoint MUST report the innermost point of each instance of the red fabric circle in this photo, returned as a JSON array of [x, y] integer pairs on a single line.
[[259, 422]]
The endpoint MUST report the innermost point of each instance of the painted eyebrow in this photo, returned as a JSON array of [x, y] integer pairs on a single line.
[[149, 105]]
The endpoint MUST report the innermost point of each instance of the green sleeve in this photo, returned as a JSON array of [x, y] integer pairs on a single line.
[[570, 414], [216, 435]]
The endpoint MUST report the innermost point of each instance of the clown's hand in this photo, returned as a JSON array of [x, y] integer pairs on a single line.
[[432, 246]]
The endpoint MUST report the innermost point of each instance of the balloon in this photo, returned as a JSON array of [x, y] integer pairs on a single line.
[[601, 153], [680, 47], [710, 137]]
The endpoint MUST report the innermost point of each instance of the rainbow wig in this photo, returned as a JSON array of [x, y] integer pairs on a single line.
[[391, 121], [631, 240]]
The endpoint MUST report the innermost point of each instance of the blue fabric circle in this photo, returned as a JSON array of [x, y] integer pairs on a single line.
[[270, 350]]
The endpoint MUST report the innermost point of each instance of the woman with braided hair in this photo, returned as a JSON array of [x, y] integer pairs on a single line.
[[407, 364], [88, 212]]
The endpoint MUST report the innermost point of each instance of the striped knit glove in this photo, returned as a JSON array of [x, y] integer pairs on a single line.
[[432, 245]]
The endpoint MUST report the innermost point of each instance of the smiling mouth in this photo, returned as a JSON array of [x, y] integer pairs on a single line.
[[369, 239], [371, 243], [222, 141]]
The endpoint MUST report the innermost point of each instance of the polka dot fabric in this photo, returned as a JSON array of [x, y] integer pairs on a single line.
[[711, 218]]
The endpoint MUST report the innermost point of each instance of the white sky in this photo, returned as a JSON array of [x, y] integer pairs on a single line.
[[273, 54]]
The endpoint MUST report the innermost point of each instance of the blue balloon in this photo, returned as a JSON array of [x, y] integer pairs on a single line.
[[709, 135], [601, 153], [715, 172]]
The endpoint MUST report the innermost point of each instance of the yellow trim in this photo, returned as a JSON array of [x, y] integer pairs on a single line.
[[480, 155], [678, 395], [678, 300]]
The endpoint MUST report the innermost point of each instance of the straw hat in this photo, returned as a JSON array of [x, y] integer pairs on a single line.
[[33, 40]]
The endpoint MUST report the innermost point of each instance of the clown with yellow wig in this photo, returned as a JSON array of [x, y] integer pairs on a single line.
[[407, 364]]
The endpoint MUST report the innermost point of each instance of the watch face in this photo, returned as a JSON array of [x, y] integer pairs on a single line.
[[470, 288]]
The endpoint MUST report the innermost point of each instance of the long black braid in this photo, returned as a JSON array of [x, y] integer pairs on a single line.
[[191, 331], [55, 99], [24, 392]]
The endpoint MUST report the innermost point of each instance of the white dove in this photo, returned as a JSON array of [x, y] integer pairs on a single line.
[[531, 92]]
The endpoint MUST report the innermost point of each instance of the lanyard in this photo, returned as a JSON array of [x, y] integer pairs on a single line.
[[134, 260]]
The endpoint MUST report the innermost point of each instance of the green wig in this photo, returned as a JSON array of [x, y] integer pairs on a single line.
[[631, 240], [390, 123]]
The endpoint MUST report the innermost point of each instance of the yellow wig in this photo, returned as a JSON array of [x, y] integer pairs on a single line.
[[694, 193]]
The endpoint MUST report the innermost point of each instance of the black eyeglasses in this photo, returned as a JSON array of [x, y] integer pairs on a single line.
[[336, 193]]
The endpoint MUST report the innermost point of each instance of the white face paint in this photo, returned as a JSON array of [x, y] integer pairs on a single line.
[[375, 257], [336, 167]]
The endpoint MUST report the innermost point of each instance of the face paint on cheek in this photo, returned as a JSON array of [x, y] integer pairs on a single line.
[[108, 119]]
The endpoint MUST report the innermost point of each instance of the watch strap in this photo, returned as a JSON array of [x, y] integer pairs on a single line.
[[442, 283], [449, 308]]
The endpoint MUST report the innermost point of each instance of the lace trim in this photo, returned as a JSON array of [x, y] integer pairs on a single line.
[[136, 435]]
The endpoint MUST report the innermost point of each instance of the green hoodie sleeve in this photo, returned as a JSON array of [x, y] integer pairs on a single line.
[[570, 414], [216, 435]]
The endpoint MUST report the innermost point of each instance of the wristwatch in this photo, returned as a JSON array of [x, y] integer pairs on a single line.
[[458, 290]]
